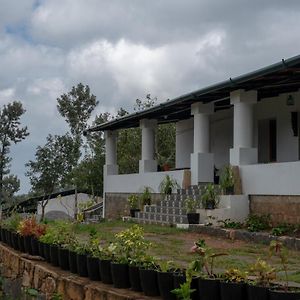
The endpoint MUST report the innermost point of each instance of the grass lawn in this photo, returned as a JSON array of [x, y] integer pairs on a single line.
[[174, 244]]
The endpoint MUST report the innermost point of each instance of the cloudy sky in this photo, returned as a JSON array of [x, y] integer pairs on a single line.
[[124, 49]]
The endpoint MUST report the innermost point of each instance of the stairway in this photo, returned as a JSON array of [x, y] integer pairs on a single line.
[[168, 211]]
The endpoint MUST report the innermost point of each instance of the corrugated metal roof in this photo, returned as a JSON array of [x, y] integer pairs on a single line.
[[281, 77]]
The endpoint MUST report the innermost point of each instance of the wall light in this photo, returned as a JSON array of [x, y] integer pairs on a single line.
[[290, 100]]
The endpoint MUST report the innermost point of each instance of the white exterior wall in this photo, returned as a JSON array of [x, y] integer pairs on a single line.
[[271, 179], [184, 143], [132, 183], [65, 204]]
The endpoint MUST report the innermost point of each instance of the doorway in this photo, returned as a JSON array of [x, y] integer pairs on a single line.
[[267, 141]]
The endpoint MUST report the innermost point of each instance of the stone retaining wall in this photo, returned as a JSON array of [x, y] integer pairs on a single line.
[[20, 272], [116, 204], [281, 208], [244, 235]]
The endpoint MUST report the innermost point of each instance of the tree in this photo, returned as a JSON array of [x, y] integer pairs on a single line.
[[53, 163], [76, 107], [11, 131]]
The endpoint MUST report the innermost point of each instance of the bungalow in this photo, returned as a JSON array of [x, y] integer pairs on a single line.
[[251, 121]]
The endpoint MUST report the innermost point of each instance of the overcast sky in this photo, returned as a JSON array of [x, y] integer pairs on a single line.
[[124, 49]]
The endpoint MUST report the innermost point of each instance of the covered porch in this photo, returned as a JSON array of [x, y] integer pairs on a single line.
[[251, 121]]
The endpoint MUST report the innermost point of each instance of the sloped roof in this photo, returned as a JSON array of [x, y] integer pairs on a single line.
[[281, 77]]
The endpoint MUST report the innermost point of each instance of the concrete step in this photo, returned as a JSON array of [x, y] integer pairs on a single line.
[[171, 210], [170, 218]]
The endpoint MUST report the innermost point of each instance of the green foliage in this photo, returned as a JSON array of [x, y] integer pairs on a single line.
[[76, 107], [184, 292], [167, 185], [11, 132], [166, 266], [210, 196], [235, 275], [276, 249], [228, 223], [133, 201], [282, 229], [191, 205], [56, 296], [131, 245], [12, 222], [61, 233], [146, 196], [227, 178], [53, 162], [32, 292], [264, 273], [206, 258], [256, 223]]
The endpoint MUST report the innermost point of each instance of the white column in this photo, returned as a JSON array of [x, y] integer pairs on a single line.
[[110, 167], [148, 163], [243, 151], [184, 143], [202, 161]]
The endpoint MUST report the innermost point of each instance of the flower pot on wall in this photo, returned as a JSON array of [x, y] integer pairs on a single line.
[[149, 282], [105, 271], [282, 295], [93, 268], [14, 240], [120, 275], [27, 244], [134, 279], [82, 265], [34, 246], [232, 290], [257, 292], [166, 285], [54, 255], [178, 279], [193, 218], [73, 262], [209, 289], [63, 259], [47, 252], [21, 243], [41, 249]]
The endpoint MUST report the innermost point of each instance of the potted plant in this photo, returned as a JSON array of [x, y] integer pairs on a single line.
[[136, 253], [167, 185], [30, 229], [146, 196], [227, 180], [233, 285], [81, 250], [93, 257], [129, 244], [208, 282], [165, 279], [282, 292], [106, 254], [133, 201], [210, 196], [191, 205], [264, 274], [148, 275], [11, 225]]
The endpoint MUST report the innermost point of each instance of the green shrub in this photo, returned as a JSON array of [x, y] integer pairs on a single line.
[[282, 229], [258, 222], [231, 224]]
